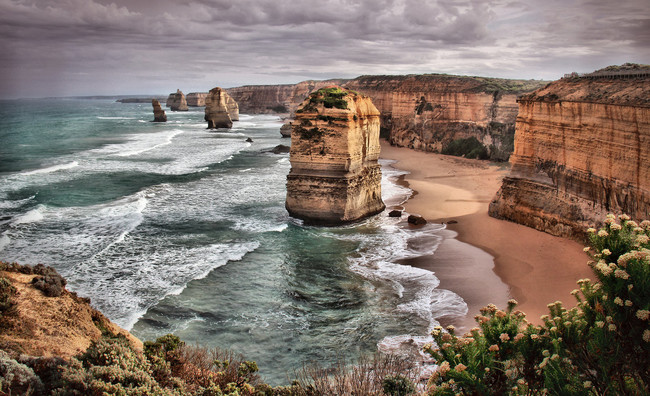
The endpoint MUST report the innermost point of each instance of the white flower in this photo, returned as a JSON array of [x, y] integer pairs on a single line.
[[586, 249], [612, 327], [504, 337], [643, 314], [619, 273], [645, 224], [603, 233], [591, 230], [460, 367], [606, 252], [628, 303], [615, 227], [624, 217], [587, 384], [600, 324], [642, 239], [618, 301], [646, 335]]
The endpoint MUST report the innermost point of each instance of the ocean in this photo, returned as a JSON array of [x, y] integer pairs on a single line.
[[172, 228]]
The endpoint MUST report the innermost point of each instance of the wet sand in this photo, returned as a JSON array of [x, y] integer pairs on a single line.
[[482, 259]]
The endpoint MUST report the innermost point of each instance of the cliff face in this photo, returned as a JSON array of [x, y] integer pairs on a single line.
[[196, 99], [335, 177], [265, 99], [217, 105], [61, 326], [424, 112], [429, 112], [177, 102], [582, 150], [158, 113]]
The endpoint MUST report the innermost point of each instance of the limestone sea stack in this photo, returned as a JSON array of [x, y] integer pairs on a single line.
[[216, 109], [177, 102], [335, 177], [582, 150], [158, 113], [232, 107]]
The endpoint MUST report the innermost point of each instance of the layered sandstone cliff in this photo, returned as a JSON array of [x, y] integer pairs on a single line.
[[582, 149], [196, 99], [177, 102], [335, 177], [158, 113], [220, 109], [429, 112], [266, 99], [425, 112]]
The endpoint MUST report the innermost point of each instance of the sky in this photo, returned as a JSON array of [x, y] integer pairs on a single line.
[[119, 47]]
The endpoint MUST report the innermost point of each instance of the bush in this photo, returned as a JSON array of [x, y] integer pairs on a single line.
[[468, 148], [600, 347], [16, 378], [52, 285], [7, 293]]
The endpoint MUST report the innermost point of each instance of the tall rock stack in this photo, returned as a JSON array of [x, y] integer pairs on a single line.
[[582, 150], [231, 106], [216, 109], [177, 102], [335, 177], [158, 113]]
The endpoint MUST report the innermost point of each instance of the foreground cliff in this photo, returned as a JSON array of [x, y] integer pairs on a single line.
[[582, 149], [335, 177]]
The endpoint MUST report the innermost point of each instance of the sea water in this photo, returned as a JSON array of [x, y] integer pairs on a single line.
[[172, 228]]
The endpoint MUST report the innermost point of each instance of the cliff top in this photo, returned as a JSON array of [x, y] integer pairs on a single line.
[[449, 82], [332, 97], [41, 318], [628, 85]]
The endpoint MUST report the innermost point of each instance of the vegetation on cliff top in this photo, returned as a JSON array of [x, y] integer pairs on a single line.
[[599, 347]]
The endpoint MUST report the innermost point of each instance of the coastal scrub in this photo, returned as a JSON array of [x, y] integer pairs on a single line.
[[599, 347]]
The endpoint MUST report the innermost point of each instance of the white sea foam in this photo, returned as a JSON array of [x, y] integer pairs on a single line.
[[4, 240], [140, 143], [32, 216], [53, 168], [9, 204], [114, 118]]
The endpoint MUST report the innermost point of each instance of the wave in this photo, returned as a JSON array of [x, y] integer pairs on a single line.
[[32, 216], [114, 118], [140, 143], [53, 168]]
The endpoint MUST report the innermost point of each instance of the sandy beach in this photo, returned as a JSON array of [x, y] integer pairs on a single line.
[[482, 259]]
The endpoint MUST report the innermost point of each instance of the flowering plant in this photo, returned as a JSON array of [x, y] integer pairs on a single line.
[[599, 347]]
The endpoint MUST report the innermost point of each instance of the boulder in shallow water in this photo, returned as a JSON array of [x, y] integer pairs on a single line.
[[158, 113], [416, 220], [280, 149], [395, 213]]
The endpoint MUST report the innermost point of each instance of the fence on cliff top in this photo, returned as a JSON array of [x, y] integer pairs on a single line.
[[614, 74]]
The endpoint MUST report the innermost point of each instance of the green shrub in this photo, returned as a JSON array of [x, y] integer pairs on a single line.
[[468, 148], [17, 378], [599, 347], [397, 385], [7, 303]]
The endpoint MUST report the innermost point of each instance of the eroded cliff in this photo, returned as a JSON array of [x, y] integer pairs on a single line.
[[335, 177], [582, 150], [424, 112], [196, 99]]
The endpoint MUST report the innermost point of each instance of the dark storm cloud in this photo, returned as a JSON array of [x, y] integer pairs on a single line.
[[65, 47]]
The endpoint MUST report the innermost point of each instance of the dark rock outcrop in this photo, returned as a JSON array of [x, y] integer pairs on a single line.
[[158, 113], [416, 220], [335, 177]]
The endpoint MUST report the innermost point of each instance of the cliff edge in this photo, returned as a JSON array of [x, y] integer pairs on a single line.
[[335, 177], [42, 318], [582, 150]]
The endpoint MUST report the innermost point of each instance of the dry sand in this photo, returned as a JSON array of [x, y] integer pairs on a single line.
[[482, 259]]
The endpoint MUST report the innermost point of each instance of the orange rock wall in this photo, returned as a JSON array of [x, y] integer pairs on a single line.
[[574, 162]]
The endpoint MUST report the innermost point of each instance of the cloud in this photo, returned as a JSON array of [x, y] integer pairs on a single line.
[[125, 46]]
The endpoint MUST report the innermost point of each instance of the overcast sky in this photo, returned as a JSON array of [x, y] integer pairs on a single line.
[[88, 47]]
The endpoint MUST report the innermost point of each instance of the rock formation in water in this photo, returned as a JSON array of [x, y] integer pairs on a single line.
[[196, 99], [335, 177], [425, 112], [158, 113], [218, 105], [285, 130], [582, 150], [177, 102]]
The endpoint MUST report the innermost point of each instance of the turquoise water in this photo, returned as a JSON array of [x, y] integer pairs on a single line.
[[173, 228]]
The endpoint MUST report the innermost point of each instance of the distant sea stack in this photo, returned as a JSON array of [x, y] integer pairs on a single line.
[[220, 109], [582, 150], [196, 99], [177, 102], [335, 177], [158, 113]]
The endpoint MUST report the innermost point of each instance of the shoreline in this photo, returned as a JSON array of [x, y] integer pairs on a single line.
[[482, 259]]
